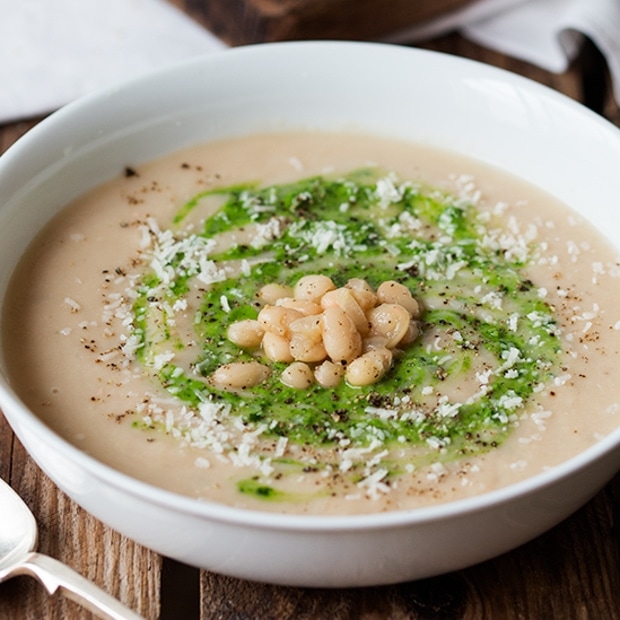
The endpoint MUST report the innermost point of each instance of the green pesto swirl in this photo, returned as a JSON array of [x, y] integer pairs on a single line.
[[489, 339]]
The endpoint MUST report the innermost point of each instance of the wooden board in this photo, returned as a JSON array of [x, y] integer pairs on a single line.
[[240, 22]]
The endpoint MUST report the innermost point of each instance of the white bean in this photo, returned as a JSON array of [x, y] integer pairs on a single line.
[[276, 319], [391, 292], [306, 307], [276, 348], [374, 342], [328, 327], [341, 340], [344, 299], [390, 321], [386, 354], [304, 349], [298, 375], [348, 302], [363, 293], [329, 374], [358, 284], [367, 369], [240, 375], [313, 287], [330, 299], [412, 333], [270, 293], [309, 326], [247, 333]]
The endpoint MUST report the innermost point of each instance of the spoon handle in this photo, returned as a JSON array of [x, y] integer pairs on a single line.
[[55, 575]]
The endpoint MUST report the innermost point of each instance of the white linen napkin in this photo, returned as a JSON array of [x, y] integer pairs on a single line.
[[53, 51], [547, 33]]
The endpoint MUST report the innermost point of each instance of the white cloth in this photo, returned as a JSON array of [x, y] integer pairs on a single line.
[[52, 51], [547, 33]]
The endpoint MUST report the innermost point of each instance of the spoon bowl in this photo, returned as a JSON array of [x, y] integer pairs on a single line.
[[18, 532], [18, 541]]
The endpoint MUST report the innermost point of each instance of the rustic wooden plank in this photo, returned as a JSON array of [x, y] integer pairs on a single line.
[[179, 591], [9, 133], [6, 445], [227, 598], [569, 572]]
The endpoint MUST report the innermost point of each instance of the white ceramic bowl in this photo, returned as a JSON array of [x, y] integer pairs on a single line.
[[425, 97]]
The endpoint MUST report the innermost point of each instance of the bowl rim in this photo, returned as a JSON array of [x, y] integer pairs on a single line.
[[290, 521], [337, 46]]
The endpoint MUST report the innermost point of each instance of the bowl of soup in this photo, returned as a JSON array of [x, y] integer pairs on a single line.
[[319, 314]]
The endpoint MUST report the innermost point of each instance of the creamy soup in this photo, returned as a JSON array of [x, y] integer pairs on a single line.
[[117, 322]]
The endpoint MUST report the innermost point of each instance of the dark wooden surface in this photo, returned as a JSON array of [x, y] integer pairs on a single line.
[[573, 571]]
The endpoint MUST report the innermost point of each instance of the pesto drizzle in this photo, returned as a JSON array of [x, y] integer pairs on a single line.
[[483, 320]]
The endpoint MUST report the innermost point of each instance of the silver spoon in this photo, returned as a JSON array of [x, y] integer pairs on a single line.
[[18, 539]]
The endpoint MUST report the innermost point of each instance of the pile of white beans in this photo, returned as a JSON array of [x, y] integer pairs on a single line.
[[325, 334]]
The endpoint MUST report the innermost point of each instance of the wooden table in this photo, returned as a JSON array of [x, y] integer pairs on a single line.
[[573, 571]]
